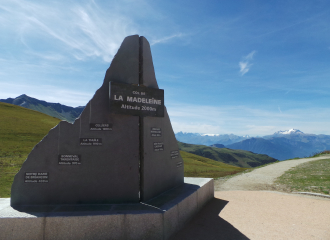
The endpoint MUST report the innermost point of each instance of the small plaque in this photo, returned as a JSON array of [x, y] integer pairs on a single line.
[[69, 159], [136, 100], [36, 177], [156, 132], [90, 141], [175, 154], [158, 146], [179, 164], [100, 126]]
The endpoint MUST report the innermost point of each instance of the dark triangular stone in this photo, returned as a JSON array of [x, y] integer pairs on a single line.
[[88, 163]]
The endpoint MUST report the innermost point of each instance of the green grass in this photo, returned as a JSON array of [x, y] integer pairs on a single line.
[[197, 166], [308, 177], [239, 158], [317, 154], [20, 130]]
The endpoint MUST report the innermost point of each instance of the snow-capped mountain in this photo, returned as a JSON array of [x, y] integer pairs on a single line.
[[285, 144], [280, 145], [209, 138], [210, 134], [290, 131]]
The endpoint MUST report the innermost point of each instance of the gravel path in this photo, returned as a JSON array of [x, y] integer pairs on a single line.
[[261, 178], [259, 215]]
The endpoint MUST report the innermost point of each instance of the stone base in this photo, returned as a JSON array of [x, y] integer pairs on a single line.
[[157, 218]]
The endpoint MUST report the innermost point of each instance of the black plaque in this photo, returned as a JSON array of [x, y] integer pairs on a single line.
[[179, 164], [158, 146], [36, 177], [100, 126], [175, 154], [90, 141], [69, 159], [134, 100], [156, 132]]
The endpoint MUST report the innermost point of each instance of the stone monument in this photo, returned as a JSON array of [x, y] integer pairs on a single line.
[[115, 173], [121, 149]]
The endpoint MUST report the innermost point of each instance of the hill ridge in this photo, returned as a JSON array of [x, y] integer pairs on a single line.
[[57, 110]]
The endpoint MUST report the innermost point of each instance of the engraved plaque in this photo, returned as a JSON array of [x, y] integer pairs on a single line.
[[100, 126], [136, 100], [158, 146], [90, 141], [69, 159], [175, 154], [36, 177], [179, 164], [156, 132]]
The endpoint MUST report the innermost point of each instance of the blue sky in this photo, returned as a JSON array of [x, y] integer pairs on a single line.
[[242, 67]]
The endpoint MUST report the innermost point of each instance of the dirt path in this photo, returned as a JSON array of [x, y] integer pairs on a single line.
[[261, 178]]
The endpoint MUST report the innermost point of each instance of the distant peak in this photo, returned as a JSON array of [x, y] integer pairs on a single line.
[[210, 134], [290, 131], [23, 96]]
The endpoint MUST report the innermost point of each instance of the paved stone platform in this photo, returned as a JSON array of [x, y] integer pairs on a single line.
[[157, 218]]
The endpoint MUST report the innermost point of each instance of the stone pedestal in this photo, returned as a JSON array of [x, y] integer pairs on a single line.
[[157, 218]]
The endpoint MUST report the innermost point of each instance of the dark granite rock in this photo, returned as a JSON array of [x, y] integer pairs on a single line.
[[161, 169], [96, 160]]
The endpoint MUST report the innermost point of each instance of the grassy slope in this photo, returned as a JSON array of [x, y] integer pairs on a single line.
[[308, 177], [47, 110], [239, 158], [197, 166], [20, 130]]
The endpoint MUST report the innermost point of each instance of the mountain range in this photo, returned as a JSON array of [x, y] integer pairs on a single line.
[[239, 158], [280, 145], [56, 110], [209, 139]]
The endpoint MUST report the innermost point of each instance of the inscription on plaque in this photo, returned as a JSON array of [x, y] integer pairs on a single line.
[[90, 141], [156, 132], [158, 146], [134, 100], [69, 159], [36, 177], [174, 154], [100, 126], [179, 164]]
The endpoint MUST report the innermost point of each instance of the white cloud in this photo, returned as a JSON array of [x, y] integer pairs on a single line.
[[80, 29], [166, 39], [245, 63]]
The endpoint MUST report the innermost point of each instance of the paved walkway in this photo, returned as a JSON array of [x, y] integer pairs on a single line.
[[260, 215], [239, 213]]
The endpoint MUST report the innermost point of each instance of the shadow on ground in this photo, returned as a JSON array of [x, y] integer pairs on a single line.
[[207, 224]]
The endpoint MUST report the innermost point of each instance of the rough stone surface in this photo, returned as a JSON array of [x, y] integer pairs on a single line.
[[171, 221], [107, 173], [22, 228], [111, 221], [85, 227], [160, 171]]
